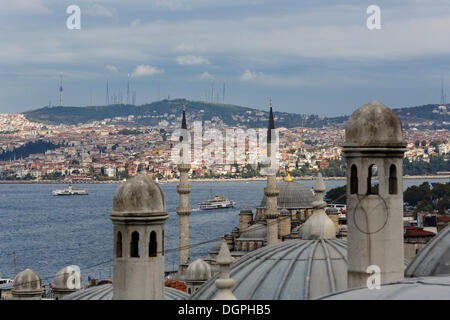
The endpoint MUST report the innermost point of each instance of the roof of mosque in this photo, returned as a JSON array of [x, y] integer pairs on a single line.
[[256, 231], [105, 292], [426, 288], [295, 269], [293, 195], [433, 259]]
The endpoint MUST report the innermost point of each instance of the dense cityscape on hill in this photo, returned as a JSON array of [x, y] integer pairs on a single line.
[[117, 141]]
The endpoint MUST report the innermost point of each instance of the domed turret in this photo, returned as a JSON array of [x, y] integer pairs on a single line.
[[67, 280], [139, 195], [197, 273], [373, 124], [27, 286]]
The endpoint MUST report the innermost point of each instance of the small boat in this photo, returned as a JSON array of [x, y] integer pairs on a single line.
[[216, 203], [70, 191]]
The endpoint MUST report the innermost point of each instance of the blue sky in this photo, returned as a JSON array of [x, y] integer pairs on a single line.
[[308, 56]]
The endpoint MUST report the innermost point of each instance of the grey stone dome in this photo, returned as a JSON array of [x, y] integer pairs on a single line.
[[426, 288], [373, 124], [27, 281], [139, 195], [433, 259], [62, 281], [105, 292], [198, 270], [291, 270], [256, 231], [293, 195]]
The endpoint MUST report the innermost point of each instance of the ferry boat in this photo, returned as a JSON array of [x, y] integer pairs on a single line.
[[70, 191], [216, 203]]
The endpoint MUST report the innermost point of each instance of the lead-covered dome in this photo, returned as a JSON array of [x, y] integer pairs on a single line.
[[68, 278], [257, 231], [433, 259], [27, 282], [291, 270], [293, 195], [373, 124], [139, 195], [198, 270]]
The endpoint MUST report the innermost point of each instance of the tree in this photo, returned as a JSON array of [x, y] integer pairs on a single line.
[[424, 206], [338, 194]]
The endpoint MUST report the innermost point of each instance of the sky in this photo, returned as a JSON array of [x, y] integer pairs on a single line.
[[313, 57]]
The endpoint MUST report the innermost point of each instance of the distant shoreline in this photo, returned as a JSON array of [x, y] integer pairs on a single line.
[[200, 180]]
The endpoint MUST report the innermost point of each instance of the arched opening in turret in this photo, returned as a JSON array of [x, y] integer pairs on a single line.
[[393, 179], [119, 245], [134, 245], [372, 175], [354, 180], [152, 246]]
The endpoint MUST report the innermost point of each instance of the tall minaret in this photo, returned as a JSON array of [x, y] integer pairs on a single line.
[[374, 143], [61, 90], [271, 190], [183, 210]]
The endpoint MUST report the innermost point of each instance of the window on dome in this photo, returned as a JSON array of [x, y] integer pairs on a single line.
[[354, 180], [393, 179], [134, 246], [152, 247], [119, 245]]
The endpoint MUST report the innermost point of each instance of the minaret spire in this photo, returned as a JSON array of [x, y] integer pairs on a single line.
[[61, 90], [271, 191], [183, 210]]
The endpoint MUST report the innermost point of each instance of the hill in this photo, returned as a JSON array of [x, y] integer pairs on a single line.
[[169, 110]]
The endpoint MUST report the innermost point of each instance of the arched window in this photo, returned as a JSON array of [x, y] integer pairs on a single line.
[[119, 245], [354, 180], [153, 245], [371, 187], [393, 179], [134, 245]]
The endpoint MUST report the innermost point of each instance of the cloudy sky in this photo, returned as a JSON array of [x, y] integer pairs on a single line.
[[308, 56]]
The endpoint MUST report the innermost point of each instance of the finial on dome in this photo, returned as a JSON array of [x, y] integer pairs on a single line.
[[288, 177], [319, 225], [224, 283]]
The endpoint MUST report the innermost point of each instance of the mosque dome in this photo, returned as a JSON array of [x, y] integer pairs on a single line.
[[105, 292], [27, 281], [198, 270], [293, 195], [257, 231], [291, 270], [433, 259], [426, 288], [65, 280], [139, 195], [373, 124]]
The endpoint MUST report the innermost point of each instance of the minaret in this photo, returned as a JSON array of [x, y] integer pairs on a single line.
[[183, 210], [61, 90], [271, 190], [374, 141], [224, 283], [139, 215]]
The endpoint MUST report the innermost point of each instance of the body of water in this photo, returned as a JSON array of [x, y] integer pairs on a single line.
[[48, 233]]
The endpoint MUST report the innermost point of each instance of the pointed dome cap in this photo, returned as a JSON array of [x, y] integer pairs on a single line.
[[319, 225], [198, 270], [139, 196], [66, 278], [27, 281], [433, 259], [246, 210], [373, 124]]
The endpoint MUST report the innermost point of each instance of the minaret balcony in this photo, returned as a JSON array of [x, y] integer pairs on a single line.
[[184, 189]]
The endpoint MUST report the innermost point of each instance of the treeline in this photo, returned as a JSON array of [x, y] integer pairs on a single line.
[[423, 197], [25, 150], [437, 163]]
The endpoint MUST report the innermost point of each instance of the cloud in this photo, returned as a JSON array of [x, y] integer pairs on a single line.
[[23, 7], [173, 5], [135, 23], [192, 60], [184, 48], [100, 11], [249, 75], [145, 70], [206, 76], [111, 68]]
